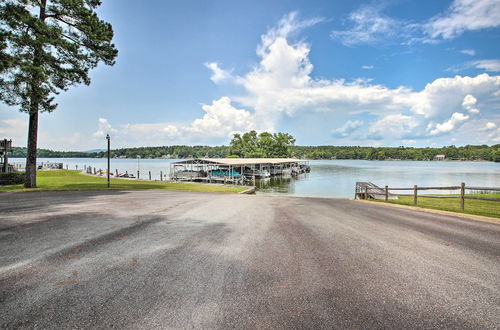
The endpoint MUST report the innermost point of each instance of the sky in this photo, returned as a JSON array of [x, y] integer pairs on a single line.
[[330, 72]]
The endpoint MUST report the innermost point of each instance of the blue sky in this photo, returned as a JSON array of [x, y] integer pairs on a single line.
[[379, 73]]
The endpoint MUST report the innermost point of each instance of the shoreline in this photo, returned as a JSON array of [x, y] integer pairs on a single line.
[[308, 159]]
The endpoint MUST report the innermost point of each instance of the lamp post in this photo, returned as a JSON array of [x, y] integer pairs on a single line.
[[138, 157], [109, 144]]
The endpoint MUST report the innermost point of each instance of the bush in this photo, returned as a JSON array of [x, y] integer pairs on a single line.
[[11, 178]]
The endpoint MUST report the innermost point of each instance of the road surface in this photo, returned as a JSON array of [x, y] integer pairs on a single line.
[[159, 259]]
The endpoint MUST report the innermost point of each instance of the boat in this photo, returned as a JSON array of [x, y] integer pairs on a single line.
[[224, 173], [188, 174], [260, 174]]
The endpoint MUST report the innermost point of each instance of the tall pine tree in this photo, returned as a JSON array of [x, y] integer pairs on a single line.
[[46, 46]]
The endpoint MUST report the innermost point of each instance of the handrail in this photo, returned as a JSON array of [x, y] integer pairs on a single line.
[[483, 188], [429, 188]]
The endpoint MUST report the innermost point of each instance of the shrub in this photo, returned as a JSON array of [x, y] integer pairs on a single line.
[[11, 178]]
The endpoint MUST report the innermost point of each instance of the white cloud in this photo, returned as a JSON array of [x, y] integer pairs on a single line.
[[469, 103], [488, 65], [104, 127], [449, 125], [395, 125], [488, 127], [369, 25], [221, 120], [218, 74], [171, 131], [464, 15], [367, 67], [15, 129], [347, 128], [470, 52], [288, 25]]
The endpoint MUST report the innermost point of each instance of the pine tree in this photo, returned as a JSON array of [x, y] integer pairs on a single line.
[[46, 46]]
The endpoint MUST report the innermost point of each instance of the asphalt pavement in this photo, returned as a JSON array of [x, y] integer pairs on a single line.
[[171, 260]]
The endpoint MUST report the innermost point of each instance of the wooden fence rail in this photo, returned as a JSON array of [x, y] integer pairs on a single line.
[[369, 190]]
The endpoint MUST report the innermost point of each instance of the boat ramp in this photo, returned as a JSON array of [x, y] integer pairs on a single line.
[[236, 170]]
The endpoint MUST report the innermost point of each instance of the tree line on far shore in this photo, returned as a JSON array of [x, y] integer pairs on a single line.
[[266, 145]]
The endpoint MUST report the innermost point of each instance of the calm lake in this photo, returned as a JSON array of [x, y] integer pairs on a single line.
[[333, 178]]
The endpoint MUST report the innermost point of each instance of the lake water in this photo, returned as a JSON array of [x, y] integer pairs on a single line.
[[333, 178]]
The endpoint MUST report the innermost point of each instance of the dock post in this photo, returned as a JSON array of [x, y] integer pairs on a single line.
[[386, 193], [462, 196], [415, 189], [161, 175]]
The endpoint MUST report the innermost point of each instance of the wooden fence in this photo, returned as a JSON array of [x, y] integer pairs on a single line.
[[369, 190]]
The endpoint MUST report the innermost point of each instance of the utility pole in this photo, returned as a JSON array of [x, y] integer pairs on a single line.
[[109, 144]]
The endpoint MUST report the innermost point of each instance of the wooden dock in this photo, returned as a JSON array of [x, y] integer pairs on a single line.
[[366, 190]]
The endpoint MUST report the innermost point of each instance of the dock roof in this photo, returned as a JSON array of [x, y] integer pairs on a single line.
[[240, 161]]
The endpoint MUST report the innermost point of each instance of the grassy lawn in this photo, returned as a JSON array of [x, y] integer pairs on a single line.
[[73, 180], [476, 207]]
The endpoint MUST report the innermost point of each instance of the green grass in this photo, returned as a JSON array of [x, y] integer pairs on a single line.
[[74, 180], [472, 206]]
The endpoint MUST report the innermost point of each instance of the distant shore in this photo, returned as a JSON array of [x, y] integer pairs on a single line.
[[328, 152]]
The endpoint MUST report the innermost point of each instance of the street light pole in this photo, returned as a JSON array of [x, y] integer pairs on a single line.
[[109, 144], [138, 157]]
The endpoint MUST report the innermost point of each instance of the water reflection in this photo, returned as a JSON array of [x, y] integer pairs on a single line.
[[279, 184]]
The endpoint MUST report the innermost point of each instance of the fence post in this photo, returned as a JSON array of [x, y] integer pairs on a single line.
[[386, 193], [462, 196], [137, 175], [415, 194], [161, 175], [149, 175]]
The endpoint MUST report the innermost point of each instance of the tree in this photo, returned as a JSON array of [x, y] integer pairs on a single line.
[[236, 146], [46, 46], [263, 145]]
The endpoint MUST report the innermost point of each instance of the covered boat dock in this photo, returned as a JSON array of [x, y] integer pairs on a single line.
[[235, 170]]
